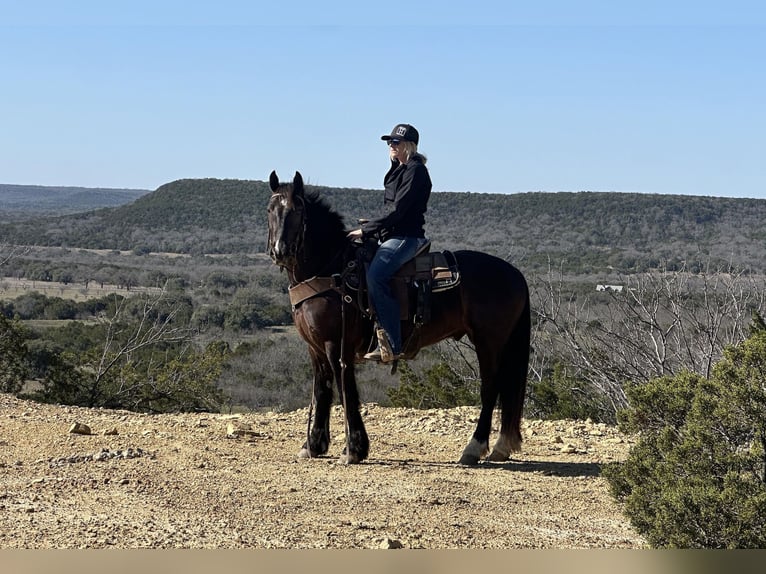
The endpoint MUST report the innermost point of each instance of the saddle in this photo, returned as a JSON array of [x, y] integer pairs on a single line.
[[426, 273], [413, 285]]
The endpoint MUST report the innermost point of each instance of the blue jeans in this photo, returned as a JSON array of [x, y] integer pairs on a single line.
[[390, 256]]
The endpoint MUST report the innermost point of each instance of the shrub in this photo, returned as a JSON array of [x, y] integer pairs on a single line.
[[697, 476], [272, 371], [185, 381], [563, 396], [438, 388]]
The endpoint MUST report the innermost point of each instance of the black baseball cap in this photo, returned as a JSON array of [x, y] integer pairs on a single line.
[[404, 132]]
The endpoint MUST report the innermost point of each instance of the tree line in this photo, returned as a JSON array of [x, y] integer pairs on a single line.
[[590, 232]]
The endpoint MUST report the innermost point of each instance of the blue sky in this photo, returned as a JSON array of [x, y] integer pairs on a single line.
[[655, 97]]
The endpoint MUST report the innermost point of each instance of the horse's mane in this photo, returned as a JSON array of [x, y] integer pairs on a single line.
[[324, 220]]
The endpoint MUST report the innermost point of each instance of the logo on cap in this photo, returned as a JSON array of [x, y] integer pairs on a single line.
[[403, 132]]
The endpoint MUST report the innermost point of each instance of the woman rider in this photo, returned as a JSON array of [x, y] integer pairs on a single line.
[[401, 233]]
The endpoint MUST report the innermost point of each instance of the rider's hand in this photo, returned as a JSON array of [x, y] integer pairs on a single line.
[[354, 234]]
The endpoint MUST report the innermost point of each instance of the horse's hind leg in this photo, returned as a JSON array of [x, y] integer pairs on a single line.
[[511, 382], [318, 441], [508, 442], [478, 447], [510, 439]]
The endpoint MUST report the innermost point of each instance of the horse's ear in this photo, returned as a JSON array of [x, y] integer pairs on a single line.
[[298, 184], [273, 181]]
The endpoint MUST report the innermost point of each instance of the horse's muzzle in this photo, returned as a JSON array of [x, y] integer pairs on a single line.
[[280, 255], [277, 252]]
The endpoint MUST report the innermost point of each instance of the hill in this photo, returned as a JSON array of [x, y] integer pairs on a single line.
[[206, 480], [588, 232], [34, 200]]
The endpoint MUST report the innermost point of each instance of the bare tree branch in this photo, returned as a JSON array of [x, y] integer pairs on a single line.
[[8, 252], [656, 324], [154, 326]]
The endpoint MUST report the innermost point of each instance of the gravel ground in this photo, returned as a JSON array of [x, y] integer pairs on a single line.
[[233, 481]]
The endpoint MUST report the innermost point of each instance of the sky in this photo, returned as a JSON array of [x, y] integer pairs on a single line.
[[642, 96]]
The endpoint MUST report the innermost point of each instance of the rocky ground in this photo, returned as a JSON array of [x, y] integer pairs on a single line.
[[222, 481]]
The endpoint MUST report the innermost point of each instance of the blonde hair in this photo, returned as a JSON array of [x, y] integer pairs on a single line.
[[411, 150]]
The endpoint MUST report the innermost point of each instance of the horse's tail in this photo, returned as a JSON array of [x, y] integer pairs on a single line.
[[511, 378]]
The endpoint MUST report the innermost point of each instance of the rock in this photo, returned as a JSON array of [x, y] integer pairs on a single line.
[[111, 432], [236, 429], [79, 428], [391, 544], [568, 448]]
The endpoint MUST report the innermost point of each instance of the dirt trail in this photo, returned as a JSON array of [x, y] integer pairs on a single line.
[[216, 481]]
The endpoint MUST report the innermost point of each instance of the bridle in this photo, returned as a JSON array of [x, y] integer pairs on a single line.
[[296, 251], [295, 247]]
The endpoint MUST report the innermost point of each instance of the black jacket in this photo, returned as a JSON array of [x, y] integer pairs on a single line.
[[407, 189]]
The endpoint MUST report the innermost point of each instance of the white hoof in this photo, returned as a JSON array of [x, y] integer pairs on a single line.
[[504, 446], [304, 453], [474, 452]]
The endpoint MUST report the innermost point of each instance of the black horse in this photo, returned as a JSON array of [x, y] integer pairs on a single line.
[[308, 239]]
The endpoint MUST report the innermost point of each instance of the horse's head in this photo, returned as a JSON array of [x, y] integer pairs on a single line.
[[287, 220]]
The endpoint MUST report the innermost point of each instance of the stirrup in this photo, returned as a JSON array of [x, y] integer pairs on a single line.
[[373, 355], [384, 348]]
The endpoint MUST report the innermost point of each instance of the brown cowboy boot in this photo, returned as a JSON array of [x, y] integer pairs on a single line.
[[383, 352], [386, 352]]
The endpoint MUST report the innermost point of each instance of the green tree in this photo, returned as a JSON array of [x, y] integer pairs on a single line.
[[30, 305], [697, 476], [251, 309], [14, 366]]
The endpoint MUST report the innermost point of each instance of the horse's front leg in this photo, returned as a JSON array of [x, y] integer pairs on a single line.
[[318, 441], [357, 442]]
